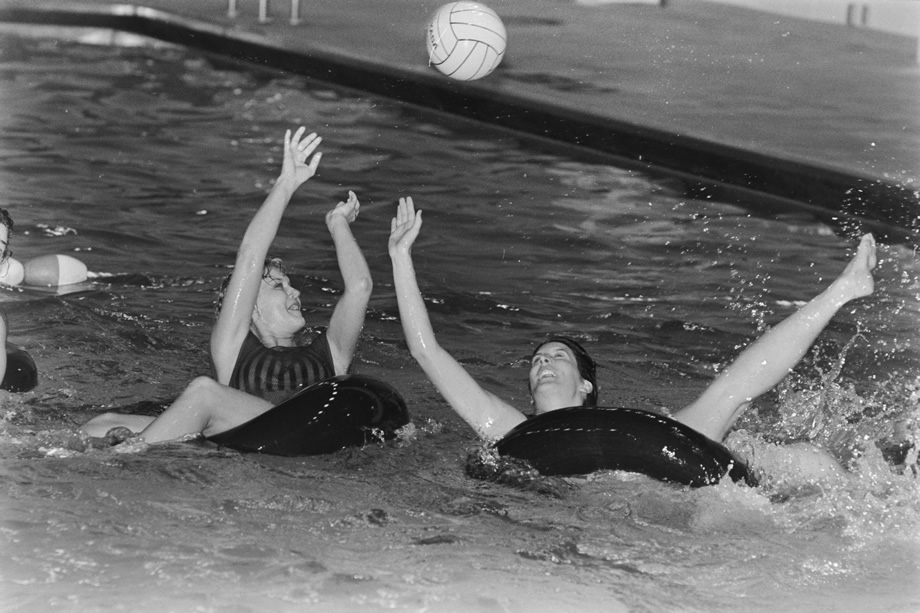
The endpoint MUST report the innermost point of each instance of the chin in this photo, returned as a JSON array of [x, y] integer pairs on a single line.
[[297, 321]]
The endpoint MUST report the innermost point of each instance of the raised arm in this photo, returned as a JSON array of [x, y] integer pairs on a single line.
[[488, 415], [770, 358], [240, 297], [348, 315]]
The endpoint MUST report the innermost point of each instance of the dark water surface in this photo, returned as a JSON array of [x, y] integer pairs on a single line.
[[147, 163]]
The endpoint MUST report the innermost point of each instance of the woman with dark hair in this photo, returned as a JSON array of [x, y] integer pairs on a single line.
[[562, 374], [255, 360]]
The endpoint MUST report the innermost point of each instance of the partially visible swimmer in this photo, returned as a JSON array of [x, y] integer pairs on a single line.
[[51, 270], [562, 374], [255, 361], [6, 228], [17, 369]]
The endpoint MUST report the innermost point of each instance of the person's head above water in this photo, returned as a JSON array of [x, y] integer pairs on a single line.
[[562, 374], [6, 219], [277, 304], [277, 312], [5, 222], [271, 264]]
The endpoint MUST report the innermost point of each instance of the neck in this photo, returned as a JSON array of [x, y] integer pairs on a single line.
[[271, 338], [543, 403]]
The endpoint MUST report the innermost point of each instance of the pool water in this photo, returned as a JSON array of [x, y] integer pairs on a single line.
[[148, 162]]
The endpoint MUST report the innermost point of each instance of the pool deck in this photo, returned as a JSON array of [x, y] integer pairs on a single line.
[[755, 108]]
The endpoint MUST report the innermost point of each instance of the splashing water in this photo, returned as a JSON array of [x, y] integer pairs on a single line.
[[519, 242]]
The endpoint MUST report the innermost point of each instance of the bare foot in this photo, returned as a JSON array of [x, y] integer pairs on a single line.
[[856, 279]]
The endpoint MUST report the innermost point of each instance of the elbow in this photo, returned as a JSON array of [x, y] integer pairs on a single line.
[[359, 284], [362, 285], [418, 352], [424, 353]]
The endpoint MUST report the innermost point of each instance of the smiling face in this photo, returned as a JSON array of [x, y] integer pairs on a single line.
[[278, 305], [555, 379]]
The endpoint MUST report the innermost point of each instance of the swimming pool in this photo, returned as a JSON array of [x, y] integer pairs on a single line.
[[148, 162]]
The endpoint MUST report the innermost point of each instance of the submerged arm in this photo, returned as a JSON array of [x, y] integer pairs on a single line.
[[488, 415], [770, 358], [235, 316]]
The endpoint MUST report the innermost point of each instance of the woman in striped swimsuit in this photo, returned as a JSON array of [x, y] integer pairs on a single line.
[[255, 361]]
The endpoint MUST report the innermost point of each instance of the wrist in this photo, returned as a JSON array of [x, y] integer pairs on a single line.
[[335, 221], [401, 255], [286, 184]]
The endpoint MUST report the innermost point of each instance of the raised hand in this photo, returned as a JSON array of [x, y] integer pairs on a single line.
[[348, 210], [404, 228], [297, 148]]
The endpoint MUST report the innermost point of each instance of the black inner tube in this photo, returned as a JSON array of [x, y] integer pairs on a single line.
[[579, 440], [345, 411], [21, 374]]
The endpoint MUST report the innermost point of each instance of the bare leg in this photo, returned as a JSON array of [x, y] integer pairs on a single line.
[[770, 358], [205, 407], [99, 425]]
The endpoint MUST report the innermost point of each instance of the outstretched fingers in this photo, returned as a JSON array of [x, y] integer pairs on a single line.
[[405, 226], [405, 211], [308, 145], [297, 148], [407, 215]]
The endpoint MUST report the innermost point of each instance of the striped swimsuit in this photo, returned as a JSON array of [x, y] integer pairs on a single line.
[[274, 373]]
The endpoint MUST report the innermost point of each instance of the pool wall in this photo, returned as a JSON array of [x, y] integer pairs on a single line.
[[766, 184]]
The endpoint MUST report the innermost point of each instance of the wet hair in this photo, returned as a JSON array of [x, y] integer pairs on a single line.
[[587, 367], [270, 265], [6, 220]]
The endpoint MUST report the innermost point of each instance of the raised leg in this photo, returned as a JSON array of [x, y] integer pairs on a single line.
[[770, 358]]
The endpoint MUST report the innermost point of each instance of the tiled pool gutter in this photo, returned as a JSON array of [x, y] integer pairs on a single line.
[[764, 184]]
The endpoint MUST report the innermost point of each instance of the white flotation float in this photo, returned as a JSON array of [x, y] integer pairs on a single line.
[[51, 270]]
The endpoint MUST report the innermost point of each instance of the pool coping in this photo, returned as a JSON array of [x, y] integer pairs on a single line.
[[764, 184]]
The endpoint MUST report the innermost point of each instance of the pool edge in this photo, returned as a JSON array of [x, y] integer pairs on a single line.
[[853, 202]]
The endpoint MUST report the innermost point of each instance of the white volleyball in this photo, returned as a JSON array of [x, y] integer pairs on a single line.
[[466, 40]]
